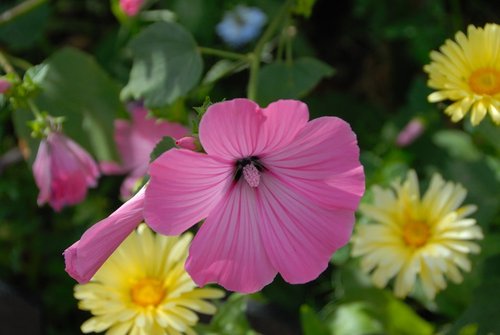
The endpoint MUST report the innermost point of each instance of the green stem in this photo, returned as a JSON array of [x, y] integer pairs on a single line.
[[222, 53], [6, 66], [19, 10], [257, 53], [34, 109]]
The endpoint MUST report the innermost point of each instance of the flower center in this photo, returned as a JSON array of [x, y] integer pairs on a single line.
[[416, 233], [250, 168], [485, 81], [147, 292]]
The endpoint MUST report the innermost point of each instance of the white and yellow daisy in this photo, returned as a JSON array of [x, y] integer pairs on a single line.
[[467, 71], [411, 237], [143, 289]]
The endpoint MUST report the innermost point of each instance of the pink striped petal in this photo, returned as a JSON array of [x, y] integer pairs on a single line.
[[228, 249], [86, 256], [325, 147], [240, 128], [298, 234], [184, 187]]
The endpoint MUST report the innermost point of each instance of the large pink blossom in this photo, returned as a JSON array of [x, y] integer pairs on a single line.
[[86, 256], [135, 141], [63, 171], [277, 192]]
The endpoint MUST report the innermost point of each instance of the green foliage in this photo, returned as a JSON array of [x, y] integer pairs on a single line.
[[292, 81], [76, 88], [166, 66], [164, 145], [311, 323]]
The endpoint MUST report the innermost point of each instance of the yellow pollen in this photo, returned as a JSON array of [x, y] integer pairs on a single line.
[[147, 292], [415, 233], [485, 81]]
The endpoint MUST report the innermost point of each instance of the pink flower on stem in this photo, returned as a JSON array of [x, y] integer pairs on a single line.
[[410, 132], [131, 7], [135, 141], [63, 171], [188, 142], [277, 192], [86, 256]]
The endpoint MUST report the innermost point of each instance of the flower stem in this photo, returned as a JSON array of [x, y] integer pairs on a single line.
[[222, 53], [19, 10], [6, 66], [257, 53]]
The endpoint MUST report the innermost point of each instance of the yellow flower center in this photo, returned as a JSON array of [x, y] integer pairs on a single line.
[[416, 233], [147, 292], [485, 81]]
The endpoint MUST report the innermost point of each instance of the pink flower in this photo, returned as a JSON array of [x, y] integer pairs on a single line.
[[278, 193], [4, 85], [135, 142], [86, 256], [131, 7], [63, 171], [410, 132]]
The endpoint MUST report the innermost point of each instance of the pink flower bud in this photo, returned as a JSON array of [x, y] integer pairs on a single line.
[[410, 132], [4, 85], [188, 142], [131, 7], [63, 171]]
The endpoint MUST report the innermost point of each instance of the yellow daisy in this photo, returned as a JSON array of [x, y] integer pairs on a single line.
[[426, 238], [143, 289], [468, 72]]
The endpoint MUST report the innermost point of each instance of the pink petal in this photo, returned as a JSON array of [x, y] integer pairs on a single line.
[[228, 249], [155, 129], [240, 128], [42, 173], [184, 187], [324, 148], [86, 256], [299, 234]]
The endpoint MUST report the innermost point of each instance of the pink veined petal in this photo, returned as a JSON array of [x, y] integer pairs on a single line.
[[87, 163], [230, 129], [240, 128], [284, 120], [299, 235], [325, 147], [86, 256], [184, 187], [42, 173], [228, 249]]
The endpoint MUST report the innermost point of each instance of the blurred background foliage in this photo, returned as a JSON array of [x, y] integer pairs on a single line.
[[363, 60]]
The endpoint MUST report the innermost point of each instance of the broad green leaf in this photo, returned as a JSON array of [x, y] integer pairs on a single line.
[[166, 65], [355, 318], [311, 323], [165, 144], [483, 309], [458, 144], [230, 318], [73, 86], [292, 81]]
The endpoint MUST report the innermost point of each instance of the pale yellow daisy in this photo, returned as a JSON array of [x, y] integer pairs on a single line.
[[413, 238], [143, 289], [467, 71]]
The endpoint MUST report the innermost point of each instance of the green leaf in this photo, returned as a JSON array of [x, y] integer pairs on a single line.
[[355, 318], [304, 7], [166, 65], [458, 143], [292, 81], [165, 144], [75, 87], [311, 323], [231, 319]]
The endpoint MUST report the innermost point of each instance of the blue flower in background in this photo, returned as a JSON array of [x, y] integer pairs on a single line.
[[241, 25]]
